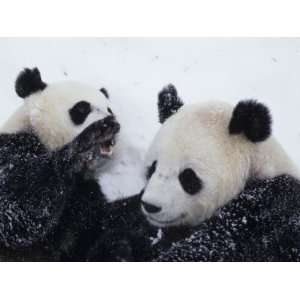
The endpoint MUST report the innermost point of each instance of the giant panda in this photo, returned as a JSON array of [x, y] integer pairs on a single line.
[[259, 224], [204, 154], [219, 168], [51, 152]]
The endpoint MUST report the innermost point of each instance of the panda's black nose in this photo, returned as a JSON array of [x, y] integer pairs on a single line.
[[150, 208], [112, 123]]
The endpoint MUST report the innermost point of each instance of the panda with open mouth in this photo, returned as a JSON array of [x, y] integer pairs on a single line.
[[52, 150]]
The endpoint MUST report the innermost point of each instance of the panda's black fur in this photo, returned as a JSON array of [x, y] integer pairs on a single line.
[[127, 235], [48, 209], [251, 118], [79, 112], [151, 170], [168, 102], [28, 82], [261, 224], [104, 92]]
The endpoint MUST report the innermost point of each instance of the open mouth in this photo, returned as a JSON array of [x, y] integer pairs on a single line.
[[106, 148], [109, 129]]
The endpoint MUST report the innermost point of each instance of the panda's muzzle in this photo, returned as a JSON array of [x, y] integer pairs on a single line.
[[110, 128], [99, 137], [106, 148]]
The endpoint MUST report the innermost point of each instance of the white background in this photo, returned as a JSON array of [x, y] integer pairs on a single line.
[[134, 70], [149, 18]]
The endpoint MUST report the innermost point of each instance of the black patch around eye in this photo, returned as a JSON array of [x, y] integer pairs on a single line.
[[110, 111], [151, 170], [79, 112], [104, 92], [190, 182]]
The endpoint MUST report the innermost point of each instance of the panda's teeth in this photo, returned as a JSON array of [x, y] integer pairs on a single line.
[[106, 151], [106, 148]]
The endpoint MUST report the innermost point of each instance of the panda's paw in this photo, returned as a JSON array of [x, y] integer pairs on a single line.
[[168, 102], [168, 94]]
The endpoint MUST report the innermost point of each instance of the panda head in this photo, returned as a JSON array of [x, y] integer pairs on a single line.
[[58, 112], [200, 158]]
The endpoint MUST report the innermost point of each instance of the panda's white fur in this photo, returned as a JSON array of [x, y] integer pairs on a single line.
[[17, 122], [47, 112], [197, 137]]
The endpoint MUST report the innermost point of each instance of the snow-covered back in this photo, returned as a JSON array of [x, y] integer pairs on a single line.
[[134, 70]]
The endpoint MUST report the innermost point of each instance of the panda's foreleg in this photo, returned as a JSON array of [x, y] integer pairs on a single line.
[[35, 189], [32, 197]]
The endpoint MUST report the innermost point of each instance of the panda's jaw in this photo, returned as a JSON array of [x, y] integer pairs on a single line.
[[106, 148], [108, 140]]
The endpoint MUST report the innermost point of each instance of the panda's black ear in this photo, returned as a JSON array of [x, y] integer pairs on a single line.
[[104, 92], [253, 119], [168, 102], [28, 82]]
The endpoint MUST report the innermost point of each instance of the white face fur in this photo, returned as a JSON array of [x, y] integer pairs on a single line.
[[59, 112], [196, 166], [50, 115]]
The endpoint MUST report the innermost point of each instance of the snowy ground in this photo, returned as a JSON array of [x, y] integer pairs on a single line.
[[134, 70]]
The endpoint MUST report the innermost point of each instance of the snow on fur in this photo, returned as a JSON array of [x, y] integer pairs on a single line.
[[262, 224]]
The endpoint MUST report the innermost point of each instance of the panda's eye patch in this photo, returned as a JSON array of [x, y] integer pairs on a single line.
[[190, 182], [79, 112], [151, 170], [110, 111]]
